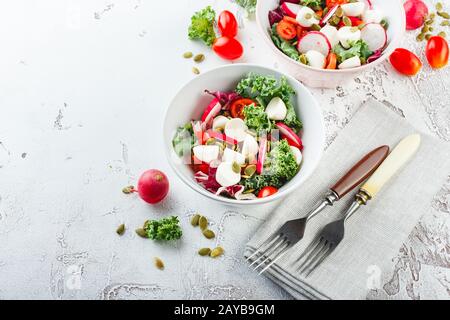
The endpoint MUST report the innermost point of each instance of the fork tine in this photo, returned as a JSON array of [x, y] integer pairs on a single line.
[[308, 249], [309, 252], [285, 245], [316, 257], [269, 251], [280, 255], [324, 256], [266, 243]]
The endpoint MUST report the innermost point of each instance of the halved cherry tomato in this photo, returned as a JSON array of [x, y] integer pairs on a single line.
[[228, 48], [301, 32], [437, 52], [331, 61], [332, 3], [237, 107], [286, 30], [227, 24], [405, 62], [267, 192]]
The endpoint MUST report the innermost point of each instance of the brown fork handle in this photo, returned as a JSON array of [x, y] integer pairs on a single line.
[[360, 171]]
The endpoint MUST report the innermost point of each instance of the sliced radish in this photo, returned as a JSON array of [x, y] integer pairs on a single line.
[[353, 9], [291, 9], [236, 129], [353, 62], [226, 176], [316, 41], [306, 17], [198, 131], [346, 35], [276, 109], [233, 156], [372, 15], [250, 146], [331, 33], [211, 111], [219, 136], [206, 153], [290, 135], [374, 35], [315, 60], [261, 155], [329, 14], [297, 154], [369, 3]]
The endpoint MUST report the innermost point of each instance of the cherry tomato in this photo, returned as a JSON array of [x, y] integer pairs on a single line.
[[437, 52], [301, 32], [228, 48], [405, 62], [332, 3], [286, 30], [267, 192], [237, 107], [227, 24], [331, 61]]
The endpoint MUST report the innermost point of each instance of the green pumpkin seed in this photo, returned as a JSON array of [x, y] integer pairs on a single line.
[[250, 170], [439, 6], [445, 23], [431, 21], [188, 55], [384, 23], [428, 36], [159, 263], [236, 167], [425, 29], [347, 21], [203, 222], [128, 190], [354, 29], [209, 234], [199, 58], [195, 70], [120, 229], [248, 191], [432, 15], [308, 16], [315, 27], [444, 15], [340, 12], [211, 141], [216, 252], [335, 20], [141, 233], [325, 11], [442, 34], [204, 252], [430, 29], [420, 37], [194, 220]]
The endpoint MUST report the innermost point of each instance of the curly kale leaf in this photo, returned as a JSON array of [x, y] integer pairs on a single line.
[[256, 119], [357, 48], [202, 26], [313, 3], [249, 5], [184, 140], [286, 47], [165, 229]]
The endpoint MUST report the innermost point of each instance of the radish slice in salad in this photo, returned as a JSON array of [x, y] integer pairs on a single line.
[[374, 35], [198, 131], [372, 16], [353, 9], [219, 136], [315, 60], [306, 17], [212, 110], [231, 156], [316, 41], [329, 14], [291, 9], [346, 35], [206, 153], [220, 122], [297, 154], [261, 155], [369, 3], [290, 135], [236, 129], [226, 176], [331, 33], [353, 62], [236, 191]]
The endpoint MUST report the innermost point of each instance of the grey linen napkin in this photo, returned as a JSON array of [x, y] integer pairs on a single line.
[[375, 233]]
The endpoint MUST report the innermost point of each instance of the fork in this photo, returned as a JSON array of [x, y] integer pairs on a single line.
[[292, 231], [333, 233]]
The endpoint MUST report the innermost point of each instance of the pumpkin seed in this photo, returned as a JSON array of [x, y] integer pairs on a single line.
[[120, 229], [236, 167], [141, 233], [203, 222], [216, 252], [445, 23], [204, 252], [420, 37], [199, 58], [194, 220], [308, 16], [303, 59], [159, 263], [315, 27], [195, 70], [248, 191], [428, 36], [431, 21], [211, 141], [325, 11], [209, 234], [188, 55], [442, 34], [439, 6], [430, 28], [347, 21], [250, 170], [354, 29], [425, 29], [444, 15], [128, 190], [335, 20], [340, 12], [384, 23]]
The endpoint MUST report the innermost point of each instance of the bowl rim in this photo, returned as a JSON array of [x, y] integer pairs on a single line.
[[386, 53], [196, 187]]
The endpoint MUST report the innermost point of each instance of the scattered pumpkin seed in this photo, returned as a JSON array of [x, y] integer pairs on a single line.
[[203, 222], [236, 167], [141, 233], [315, 27], [159, 263], [199, 58], [335, 20], [444, 15], [439, 6], [431, 21], [128, 190], [340, 12], [347, 21], [425, 28], [445, 23], [209, 234], [432, 15], [120, 229], [325, 11], [204, 252], [428, 36], [216, 252], [442, 34], [195, 70], [430, 29], [250, 170], [188, 55], [194, 220], [420, 37]]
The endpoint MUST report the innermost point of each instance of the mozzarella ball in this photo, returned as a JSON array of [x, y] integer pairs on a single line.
[[350, 63], [206, 153], [297, 154], [225, 175], [315, 59], [236, 129], [353, 9], [331, 33], [233, 156], [306, 17], [276, 109]]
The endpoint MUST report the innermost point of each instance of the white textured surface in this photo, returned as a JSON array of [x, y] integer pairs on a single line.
[[83, 86]]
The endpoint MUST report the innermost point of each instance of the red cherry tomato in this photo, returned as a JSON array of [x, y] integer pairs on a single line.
[[405, 62], [267, 192], [227, 24], [437, 52], [332, 3], [228, 48], [237, 107], [286, 30]]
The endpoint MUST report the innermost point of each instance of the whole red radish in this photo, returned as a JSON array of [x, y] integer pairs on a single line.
[[153, 186], [416, 12]]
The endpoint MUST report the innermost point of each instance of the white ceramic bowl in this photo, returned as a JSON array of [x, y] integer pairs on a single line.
[[189, 104], [322, 78]]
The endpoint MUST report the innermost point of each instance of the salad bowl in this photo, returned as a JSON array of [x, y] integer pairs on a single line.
[[189, 104], [392, 11]]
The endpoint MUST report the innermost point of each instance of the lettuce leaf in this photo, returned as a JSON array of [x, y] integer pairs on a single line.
[[286, 47], [184, 140], [358, 48]]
